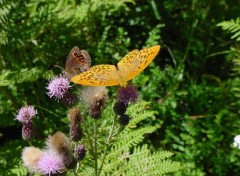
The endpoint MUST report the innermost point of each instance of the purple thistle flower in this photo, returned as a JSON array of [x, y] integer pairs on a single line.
[[50, 163], [128, 94], [26, 113], [58, 87]]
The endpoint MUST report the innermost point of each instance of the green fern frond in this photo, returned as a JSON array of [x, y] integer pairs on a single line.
[[19, 171], [233, 26], [139, 113], [154, 35], [128, 139], [126, 157], [143, 162], [5, 9], [236, 61]]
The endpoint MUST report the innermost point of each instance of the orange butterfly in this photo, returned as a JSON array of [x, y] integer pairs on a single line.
[[77, 61], [127, 68]]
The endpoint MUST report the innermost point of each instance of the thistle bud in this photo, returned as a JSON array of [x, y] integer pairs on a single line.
[[95, 110], [69, 99], [80, 151], [124, 119], [60, 144], [28, 131], [119, 108], [75, 128]]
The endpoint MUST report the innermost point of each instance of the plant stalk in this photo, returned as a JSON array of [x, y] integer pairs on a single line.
[[95, 148], [107, 145]]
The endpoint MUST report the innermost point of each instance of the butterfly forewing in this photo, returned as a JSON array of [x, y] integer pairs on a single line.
[[99, 75], [131, 65], [86, 59], [128, 59]]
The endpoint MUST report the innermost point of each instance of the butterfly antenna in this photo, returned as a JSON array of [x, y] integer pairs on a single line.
[[56, 66]]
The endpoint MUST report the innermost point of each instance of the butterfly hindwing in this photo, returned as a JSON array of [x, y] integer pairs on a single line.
[[99, 75], [77, 61]]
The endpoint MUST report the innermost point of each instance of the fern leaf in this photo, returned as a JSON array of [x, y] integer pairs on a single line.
[[19, 171], [233, 26], [137, 109], [128, 139], [143, 162]]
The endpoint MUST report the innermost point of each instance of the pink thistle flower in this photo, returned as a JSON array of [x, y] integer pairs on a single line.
[[58, 87], [26, 113], [50, 163]]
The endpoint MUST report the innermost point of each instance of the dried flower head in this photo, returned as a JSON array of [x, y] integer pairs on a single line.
[[58, 87], [74, 116], [80, 151], [50, 163], [26, 114], [95, 98], [128, 94], [236, 142], [90, 94], [30, 157], [28, 131], [58, 143], [69, 160]]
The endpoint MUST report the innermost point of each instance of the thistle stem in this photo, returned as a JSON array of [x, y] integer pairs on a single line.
[[107, 145], [90, 142], [75, 170], [95, 148], [30, 143]]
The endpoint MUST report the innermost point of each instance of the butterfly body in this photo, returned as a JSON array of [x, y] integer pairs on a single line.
[[127, 68]]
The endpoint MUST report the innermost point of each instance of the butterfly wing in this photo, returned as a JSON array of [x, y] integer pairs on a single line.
[[99, 75], [85, 57], [136, 61], [77, 61]]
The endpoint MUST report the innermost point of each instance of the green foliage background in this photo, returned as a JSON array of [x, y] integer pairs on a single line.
[[193, 84]]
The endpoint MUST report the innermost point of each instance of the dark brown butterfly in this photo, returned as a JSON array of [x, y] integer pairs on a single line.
[[77, 62]]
